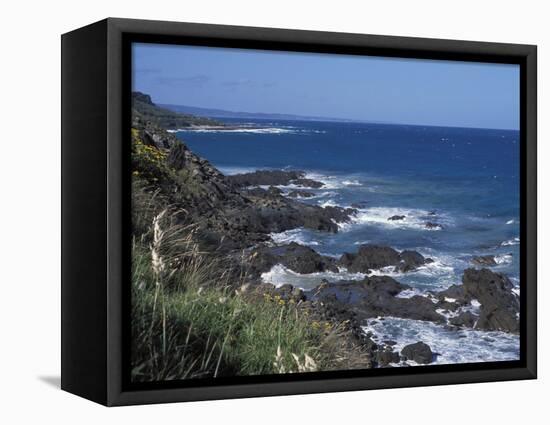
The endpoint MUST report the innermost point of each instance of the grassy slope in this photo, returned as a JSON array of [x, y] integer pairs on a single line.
[[192, 317]]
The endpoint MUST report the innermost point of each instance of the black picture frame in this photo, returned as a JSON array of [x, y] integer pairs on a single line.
[[95, 207]]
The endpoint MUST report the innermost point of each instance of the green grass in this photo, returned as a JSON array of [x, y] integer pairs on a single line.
[[195, 328], [191, 314]]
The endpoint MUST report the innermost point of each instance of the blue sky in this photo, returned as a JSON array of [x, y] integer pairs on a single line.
[[427, 92]]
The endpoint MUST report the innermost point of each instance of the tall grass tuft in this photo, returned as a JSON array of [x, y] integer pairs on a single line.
[[189, 322]]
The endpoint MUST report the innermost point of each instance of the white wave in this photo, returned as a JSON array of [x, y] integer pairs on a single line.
[[280, 275], [333, 182], [409, 293], [294, 235], [329, 182], [361, 242], [230, 170], [474, 307], [251, 130], [314, 195], [451, 345], [414, 218], [328, 203], [351, 183], [503, 259], [510, 242], [442, 271], [510, 222]]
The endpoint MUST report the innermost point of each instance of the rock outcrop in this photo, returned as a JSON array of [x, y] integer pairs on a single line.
[[419, 352], [298, 258], [370, 257], [376, 296]]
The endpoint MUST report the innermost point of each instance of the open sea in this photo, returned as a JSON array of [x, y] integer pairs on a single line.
[[465, 180]]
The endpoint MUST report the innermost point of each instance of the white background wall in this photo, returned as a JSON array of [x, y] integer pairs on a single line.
[[30, 212]]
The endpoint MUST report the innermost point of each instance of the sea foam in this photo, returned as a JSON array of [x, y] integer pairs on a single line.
[[449, 344], [414, 218], [280, 275]]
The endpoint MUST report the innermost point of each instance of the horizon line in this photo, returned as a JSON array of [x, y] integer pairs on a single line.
[[342, 120]]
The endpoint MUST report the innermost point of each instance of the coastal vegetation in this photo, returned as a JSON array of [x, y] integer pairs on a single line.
[[143, 106]]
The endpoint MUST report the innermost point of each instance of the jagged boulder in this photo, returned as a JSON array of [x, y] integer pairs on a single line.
[[296, 257], [419, 352], [484, 260], [300, 194], [273, 178], [499, 305], [465, 319], [370, 257], [377, 296]]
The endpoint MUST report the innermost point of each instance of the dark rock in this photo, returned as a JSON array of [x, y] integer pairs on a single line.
[[370, 257], [396, 218], [300, 194], [296, 257], [274, 190], [386, 356], [466, 319], [419, 352], [484, 260], [455, 292], [433, 226], [410, 260], [375, 296], [273, 178], [285, 292], [314, 184], [271, 212], [448, 306], [177, 158], [499, 305]]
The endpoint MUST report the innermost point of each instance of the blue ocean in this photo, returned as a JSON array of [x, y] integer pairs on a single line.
[[463, 181]]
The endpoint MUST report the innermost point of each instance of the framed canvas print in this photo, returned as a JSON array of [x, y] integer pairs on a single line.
[[252, 212]]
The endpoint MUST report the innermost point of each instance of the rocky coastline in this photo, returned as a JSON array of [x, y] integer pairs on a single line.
[[234, 217]]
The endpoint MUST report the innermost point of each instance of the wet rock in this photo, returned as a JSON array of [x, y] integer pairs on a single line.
[[465, 319], [375, 297], [298, 258], [419, 352], [396, 218], [499, 305], [484, 260], [271, 212], [456, 293], [433, 226], [370, 257], [274, 190], [273, 178], [300, 194], [386, 356], [411, 260]]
